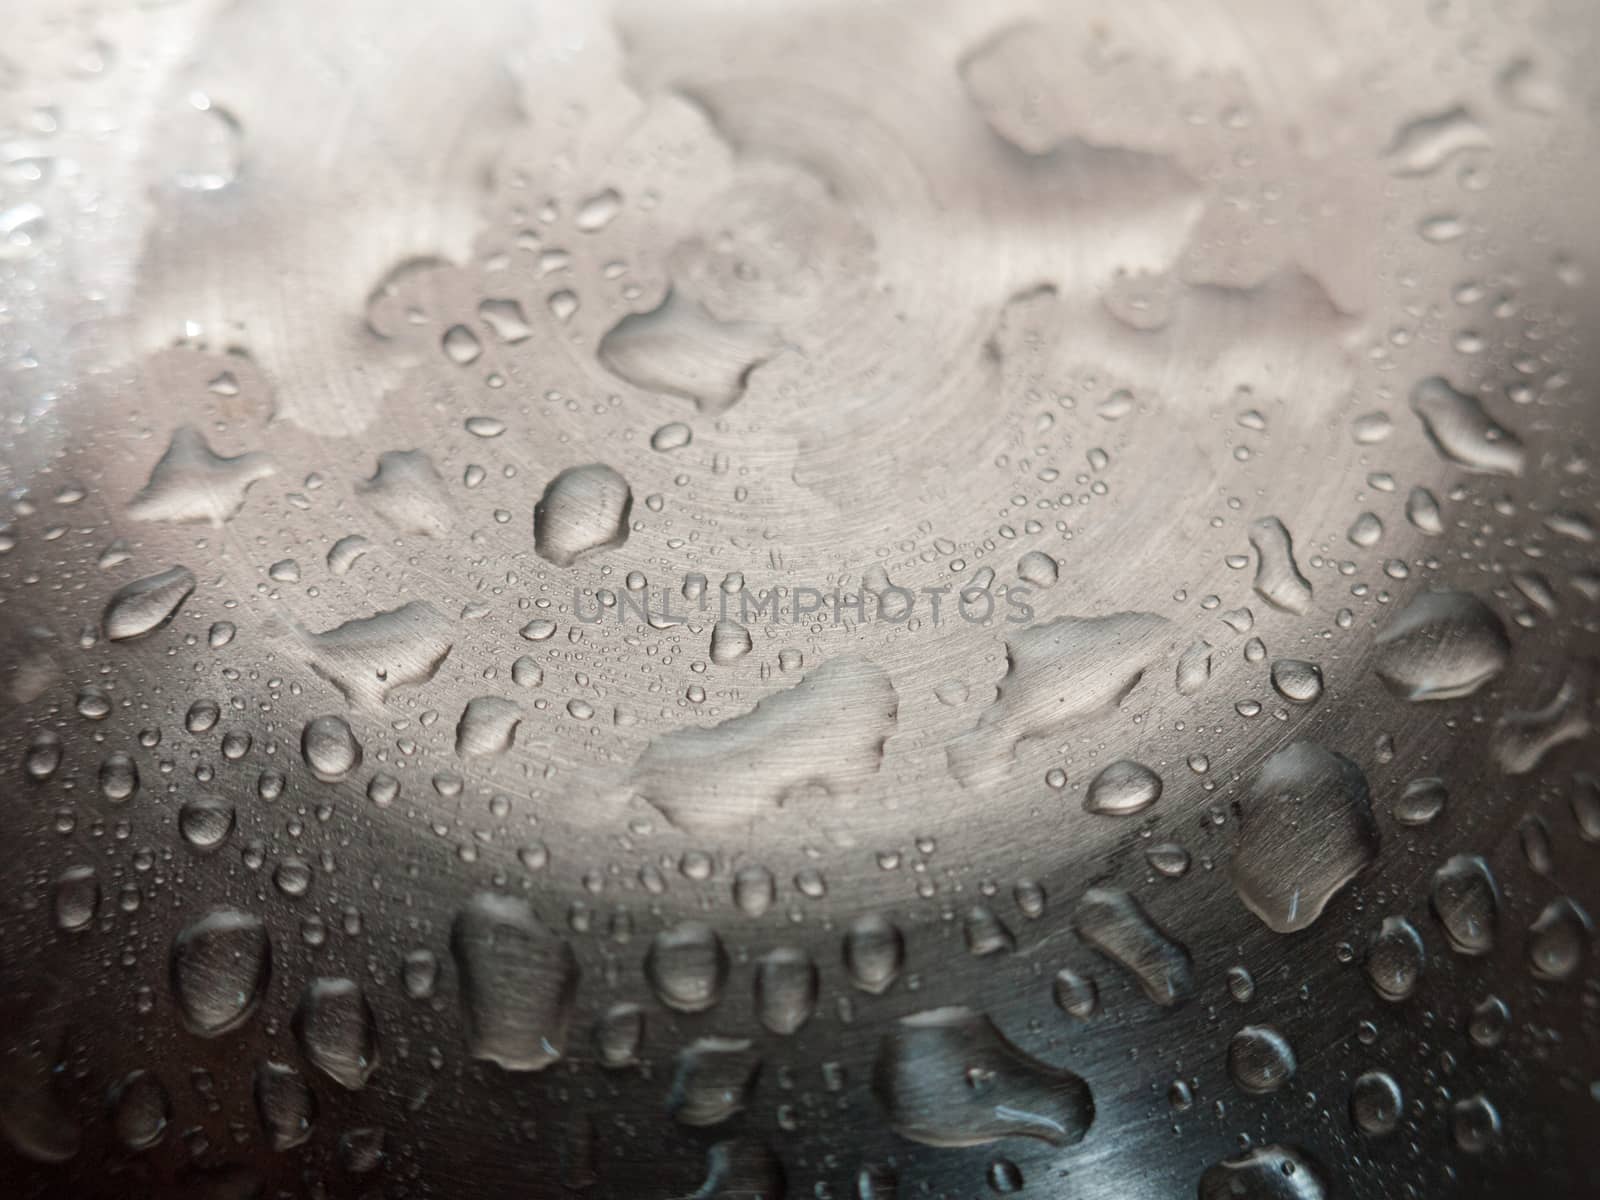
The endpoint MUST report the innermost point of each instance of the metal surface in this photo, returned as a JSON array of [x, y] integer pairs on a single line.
[[1235, 356]]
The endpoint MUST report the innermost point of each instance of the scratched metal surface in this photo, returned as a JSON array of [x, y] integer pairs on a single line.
[[394, 398]]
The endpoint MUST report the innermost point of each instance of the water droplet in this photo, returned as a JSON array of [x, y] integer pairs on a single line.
[[985, 933], [1422, 510], [741, 1169], [1075, 994], [360, 1150], [337, 1031], [1004, 1177], [753, 890], [1278, 579], [673, 436], [1039, 569], [1489, 1022], [193, 484], [1305, 830], [146, 605], [1466, 901], [219, 967], [730, 641], [330, 748], [345, 553], [488, 726], [874, 953], [1463, 433], [1523, 738], [948, 1077], [1265, 1173], [1474, 1124], [369, 657], [518, 983], [1421, 802], [205, 822], [407, 491], [74, 898], [682, 350], [1058, 673], [43, 757], [712, 1080], [618, 1034], [1297, 681], [140, 1109], [598, 211], [583, 509], [1426, 143], [285, 1105], [1169, 859], [1260, 1059], [506, 319], [1194, 668], [419, 973], [119, 777], [461, 346], [1585, 804], [1558, 940], [1365, 531], [786, 986], [1442, 646], [1394, 959], [1114, 924], [1122, 789], [687, 966], [712, 780]]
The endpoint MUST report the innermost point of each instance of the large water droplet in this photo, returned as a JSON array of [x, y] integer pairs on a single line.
[[712, 1080], [1466, 900], [1376, 1104], [219, 968], [407, 491], [825, 733], [146, 605], [1278, 579], [518, 983], [1523, 738], [1122, 789], [140, 1110], [583, 509], [1305, 829], [337, 1031], [1058, 673], [330, 748], [730, 641], [681, 349], [369, 657], [687, 967], [786, 986], [285, 1104], [1442, 646], [191, 483], [1394, 959], [874, 953], [1558, 940], [1462, 432], [1114, 924], [618, 1035], [1265, 1173], [1297, 681], [488, 726], [948, 1077], [1260, 1059]]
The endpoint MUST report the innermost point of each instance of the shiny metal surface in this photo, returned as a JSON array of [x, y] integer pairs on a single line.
[[465, 736]]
